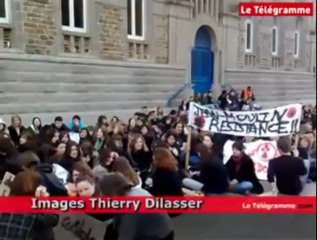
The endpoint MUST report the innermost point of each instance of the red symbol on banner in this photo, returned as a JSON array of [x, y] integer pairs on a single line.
[[260, 168], [266, 151], [291, 112]]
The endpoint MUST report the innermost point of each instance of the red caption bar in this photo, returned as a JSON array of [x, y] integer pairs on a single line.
[[281, 9], [158, 205]]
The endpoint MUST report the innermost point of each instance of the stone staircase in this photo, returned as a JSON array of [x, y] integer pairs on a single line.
[[44, 86], [274, 89]]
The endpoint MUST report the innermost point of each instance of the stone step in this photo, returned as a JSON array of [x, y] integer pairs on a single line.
[[62, 87], [289, 94], [88, 117], [274, 104], [89, 97], [37, 107], [266, 86], [39, 77], [70, 66]]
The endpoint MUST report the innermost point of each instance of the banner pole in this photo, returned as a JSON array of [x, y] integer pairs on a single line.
[[188, 145]]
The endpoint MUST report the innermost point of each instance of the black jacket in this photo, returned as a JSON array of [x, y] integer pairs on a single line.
[[246, 172], [14, 135], [166, 183]]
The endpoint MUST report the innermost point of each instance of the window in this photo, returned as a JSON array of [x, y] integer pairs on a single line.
[[248, 37], [136, 23], [274, 41], [4, 11], [296, 44], [74, 15]]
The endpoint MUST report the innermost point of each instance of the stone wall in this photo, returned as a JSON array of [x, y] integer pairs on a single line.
[[39, 26], [264, 36], [161, 38], [110, 36], [288, 50]]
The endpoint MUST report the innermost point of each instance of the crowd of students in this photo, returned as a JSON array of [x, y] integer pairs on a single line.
[[144, 156]]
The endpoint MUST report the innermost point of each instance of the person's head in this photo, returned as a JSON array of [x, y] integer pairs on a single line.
[[171, 138], [122, 165], [145, 130], [131, 123], [101, 134], [102, 120], [60, 148], [55, 137], [58, 122], [164, 159], [106, 157], [284, 145], [137, 143], [85, 185], [76, 120], [28, 160], [114, 120], [25, 183], [203, 152], [87, 150], [139, 122], [84, 133], [249, 88], [159, 111], [72, 151], [64, 136], [237, 150], [27, 137], [80, 168], [207, 140], [114, 184], [179, 128], [3, 125], [36, 122], [16, 121]]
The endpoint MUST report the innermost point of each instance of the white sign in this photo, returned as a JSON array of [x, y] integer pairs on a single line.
[[4, 186], [80, 226], [261, 153], [74, 137], [281, 121]]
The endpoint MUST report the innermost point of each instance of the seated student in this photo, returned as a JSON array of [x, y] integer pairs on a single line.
[[285, 171], [156, 226], [247, 97], [241, 171], [213, 178], [166, 176]]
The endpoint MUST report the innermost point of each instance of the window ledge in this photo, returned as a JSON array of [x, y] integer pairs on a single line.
[[10, 50], [75, 33], [5, 25]]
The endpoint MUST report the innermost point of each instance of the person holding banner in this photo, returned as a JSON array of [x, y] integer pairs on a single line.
[[241, 170]]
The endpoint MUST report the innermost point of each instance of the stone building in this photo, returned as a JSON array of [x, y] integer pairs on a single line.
[[61, 57]]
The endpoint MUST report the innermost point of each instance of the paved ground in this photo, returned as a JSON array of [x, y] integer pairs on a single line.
[[248, 226]]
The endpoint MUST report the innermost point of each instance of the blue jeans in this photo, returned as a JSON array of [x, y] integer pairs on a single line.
[[192, 184], [304, 178], [242, 187]]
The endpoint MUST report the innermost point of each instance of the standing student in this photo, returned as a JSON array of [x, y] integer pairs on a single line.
[[284, 172]]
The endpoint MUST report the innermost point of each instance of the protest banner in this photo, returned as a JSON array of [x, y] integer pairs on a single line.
[[281, 121], [80, 226], [261, 153]]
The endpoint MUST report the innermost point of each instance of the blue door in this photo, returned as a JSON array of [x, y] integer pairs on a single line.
[[202, 62]]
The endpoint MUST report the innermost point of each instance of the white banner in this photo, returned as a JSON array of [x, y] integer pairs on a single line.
[[80, 226], [281, 121], [261, 153]]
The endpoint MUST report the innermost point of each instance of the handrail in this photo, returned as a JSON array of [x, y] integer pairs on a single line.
[[177, 93]]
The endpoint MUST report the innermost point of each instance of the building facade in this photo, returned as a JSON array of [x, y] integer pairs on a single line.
[[114, 56]]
